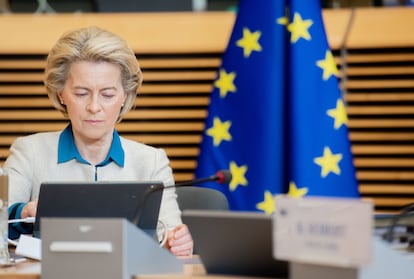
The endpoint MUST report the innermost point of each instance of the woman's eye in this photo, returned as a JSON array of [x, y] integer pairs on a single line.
[[80, 94], [108, 96]]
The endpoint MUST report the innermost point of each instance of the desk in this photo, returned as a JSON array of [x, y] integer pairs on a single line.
[[31, 269], [28, 269]]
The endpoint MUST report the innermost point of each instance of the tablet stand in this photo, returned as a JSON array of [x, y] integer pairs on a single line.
[[101, 248]]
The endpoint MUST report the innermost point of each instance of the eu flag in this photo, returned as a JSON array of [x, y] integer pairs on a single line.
[[276, 118]]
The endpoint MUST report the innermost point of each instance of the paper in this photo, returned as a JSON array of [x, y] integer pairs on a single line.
[[29, 247]]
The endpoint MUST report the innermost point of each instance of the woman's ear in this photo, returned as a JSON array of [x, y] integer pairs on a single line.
[[60, 99]]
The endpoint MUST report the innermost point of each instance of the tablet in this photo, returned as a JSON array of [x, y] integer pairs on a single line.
[[138, 202], [234, 242]]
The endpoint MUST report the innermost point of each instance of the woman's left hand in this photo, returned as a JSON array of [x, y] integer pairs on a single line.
[[180, 242]]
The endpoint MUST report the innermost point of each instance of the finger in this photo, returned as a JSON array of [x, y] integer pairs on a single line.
[[180, 240], [181, 235], [32, 209], [180, 231], [183, 249]]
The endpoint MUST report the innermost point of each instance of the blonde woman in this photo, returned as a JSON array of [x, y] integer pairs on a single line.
[[92, 77]]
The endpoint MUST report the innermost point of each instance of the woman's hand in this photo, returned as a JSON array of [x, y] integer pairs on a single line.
[[180, 242], [29, 210]]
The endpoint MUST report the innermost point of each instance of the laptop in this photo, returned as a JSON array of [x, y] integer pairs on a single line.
[[236, 243], [138, 202]]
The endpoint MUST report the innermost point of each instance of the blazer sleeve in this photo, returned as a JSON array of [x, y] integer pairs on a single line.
[[170, 213], [19, 170]]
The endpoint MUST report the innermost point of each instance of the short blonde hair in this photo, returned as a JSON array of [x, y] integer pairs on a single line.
[[91, 44]]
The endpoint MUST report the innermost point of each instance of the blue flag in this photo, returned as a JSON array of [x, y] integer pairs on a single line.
[[276, 118]]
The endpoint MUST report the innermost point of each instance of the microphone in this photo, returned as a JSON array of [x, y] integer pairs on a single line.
[[221, 177]]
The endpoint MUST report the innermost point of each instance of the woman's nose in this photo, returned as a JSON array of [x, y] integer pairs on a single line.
[[93, 105]]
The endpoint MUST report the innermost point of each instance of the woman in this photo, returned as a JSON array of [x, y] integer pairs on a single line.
[[92, 77]]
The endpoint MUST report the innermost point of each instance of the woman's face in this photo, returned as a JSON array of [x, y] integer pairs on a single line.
[[93, 95]]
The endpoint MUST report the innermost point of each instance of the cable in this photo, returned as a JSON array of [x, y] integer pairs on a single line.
[[12, 242], [30, 220], [165, 237], [389, 235]]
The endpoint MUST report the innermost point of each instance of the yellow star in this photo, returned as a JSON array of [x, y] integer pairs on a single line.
[[225, 83], [219, 131], [338, 114], [299, 28], [328, 66], [295, 192], [329, 162], [238, 176], [249, 42], [282, 20], [268, 205]]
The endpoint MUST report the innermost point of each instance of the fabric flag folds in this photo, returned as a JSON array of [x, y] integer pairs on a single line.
[[276, 117]]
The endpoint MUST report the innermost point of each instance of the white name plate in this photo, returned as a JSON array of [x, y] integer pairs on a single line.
[[325, 231]]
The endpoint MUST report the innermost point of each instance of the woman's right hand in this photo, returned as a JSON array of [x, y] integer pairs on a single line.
[[29, 210]]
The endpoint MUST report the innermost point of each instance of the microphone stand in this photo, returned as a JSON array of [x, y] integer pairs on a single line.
[[197, 181], [143, 201], [220, 177]]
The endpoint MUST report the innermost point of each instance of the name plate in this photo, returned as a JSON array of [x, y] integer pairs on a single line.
[[325, 231]]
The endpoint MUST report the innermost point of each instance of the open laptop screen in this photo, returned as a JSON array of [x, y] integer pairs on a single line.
[[138, 202]]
